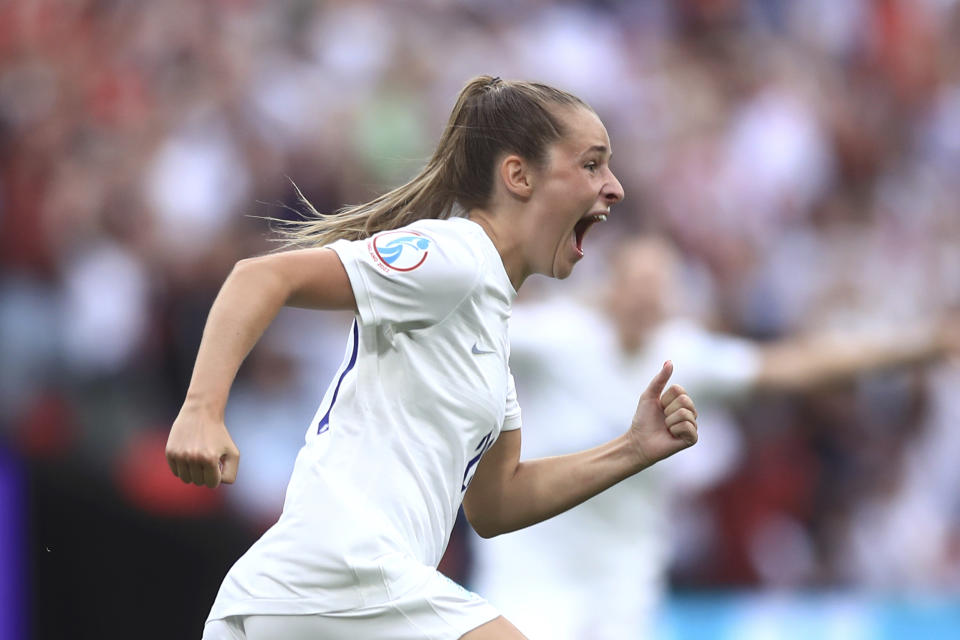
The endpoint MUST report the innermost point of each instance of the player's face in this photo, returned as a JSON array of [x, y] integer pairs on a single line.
[[575, 190], [643, 286]]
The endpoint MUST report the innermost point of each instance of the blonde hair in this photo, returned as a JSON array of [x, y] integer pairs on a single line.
[[491, 117]]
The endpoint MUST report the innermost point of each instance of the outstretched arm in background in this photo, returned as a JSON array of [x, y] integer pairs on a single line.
[[199, 448], [801, 364], [507, 494]]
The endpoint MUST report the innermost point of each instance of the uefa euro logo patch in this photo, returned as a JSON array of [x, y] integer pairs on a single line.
[[399, 250]]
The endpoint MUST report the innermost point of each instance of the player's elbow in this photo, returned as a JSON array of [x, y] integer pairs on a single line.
[[484, 528], [248, 268], [482, 520], [262, 277], [249, 263]]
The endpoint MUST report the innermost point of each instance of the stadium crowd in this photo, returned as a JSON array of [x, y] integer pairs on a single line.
[[802, 155]]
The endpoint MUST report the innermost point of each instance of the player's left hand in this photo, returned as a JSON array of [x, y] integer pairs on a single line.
[[665, 421]]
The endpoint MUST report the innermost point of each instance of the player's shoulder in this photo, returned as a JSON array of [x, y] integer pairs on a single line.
[[579, 317], [455, 235], [408, 248], [683, 330], [451, 246], [439, 257]]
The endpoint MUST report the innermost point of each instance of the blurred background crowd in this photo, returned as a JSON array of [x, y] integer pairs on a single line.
[[804, 156]]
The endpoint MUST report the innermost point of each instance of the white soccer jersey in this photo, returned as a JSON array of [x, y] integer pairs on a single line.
[[424, 390], [600, 567]]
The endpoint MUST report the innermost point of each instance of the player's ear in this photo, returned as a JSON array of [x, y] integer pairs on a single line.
[[515, 173]]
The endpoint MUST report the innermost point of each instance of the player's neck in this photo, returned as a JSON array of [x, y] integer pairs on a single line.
[[507, 242]]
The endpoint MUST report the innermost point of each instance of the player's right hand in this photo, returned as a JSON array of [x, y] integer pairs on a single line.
[[201, 451], [665, 421]]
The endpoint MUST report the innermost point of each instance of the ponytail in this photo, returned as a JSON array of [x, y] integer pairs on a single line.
[[491, 117]]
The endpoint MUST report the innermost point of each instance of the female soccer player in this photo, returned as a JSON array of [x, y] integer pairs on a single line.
[[422, 414]]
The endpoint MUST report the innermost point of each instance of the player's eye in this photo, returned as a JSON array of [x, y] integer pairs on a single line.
[[591, 166]]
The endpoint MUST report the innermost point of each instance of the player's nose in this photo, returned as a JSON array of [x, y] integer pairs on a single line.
[[612, 191]]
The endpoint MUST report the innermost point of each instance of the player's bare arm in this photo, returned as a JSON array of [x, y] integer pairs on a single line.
[[199, 448], [811, 362], [507, 494]]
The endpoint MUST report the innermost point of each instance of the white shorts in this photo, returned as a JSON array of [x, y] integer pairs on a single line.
[[440, 610]]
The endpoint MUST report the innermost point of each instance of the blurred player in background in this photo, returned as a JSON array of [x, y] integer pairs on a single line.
[[423, 407], [598, 572]]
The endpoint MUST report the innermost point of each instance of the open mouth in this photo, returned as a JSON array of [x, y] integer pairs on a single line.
[[585, 223]]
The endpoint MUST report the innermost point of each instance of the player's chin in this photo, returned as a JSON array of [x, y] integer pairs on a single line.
[[564, 264]]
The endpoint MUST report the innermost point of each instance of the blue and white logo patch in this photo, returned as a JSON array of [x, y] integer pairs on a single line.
[[399, 250]]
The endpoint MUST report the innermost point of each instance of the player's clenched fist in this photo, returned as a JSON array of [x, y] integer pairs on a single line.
[[665, 421], [201, 451]]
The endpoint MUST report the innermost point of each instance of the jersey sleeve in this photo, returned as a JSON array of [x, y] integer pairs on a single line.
[[511, 417], [713, 364], [407, 278]]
